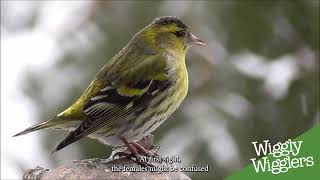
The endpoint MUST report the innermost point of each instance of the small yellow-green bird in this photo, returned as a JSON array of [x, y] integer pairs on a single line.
[[135, 92]]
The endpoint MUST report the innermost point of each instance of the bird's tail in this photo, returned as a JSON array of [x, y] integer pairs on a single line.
[[44, 125]]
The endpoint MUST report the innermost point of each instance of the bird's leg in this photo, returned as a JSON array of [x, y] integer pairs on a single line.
[[134, 152], [145, 146], [143, 151], [131, 148]]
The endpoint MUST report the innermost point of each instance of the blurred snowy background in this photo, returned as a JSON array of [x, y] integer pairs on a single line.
[[257, 79]]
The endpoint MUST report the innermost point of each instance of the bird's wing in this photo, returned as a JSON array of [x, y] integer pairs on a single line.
[[122, 97]]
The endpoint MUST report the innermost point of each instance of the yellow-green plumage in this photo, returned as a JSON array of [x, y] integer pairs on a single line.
[[135, 91]]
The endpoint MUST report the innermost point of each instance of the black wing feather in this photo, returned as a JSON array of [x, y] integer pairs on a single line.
[[98, 119]]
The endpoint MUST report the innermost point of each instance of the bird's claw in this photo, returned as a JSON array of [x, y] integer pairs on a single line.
[[136, 153], [137, 158], [122, 154]]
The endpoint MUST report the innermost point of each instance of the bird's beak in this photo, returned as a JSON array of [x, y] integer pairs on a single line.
[[194, 40]]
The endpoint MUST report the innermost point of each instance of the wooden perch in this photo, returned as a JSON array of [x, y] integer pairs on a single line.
[[106, 169]]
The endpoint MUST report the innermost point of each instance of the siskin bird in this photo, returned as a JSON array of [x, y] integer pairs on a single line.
[[135, 92]]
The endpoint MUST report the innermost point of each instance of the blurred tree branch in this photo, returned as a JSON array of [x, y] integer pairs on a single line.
[[98, 169], [106, 168]]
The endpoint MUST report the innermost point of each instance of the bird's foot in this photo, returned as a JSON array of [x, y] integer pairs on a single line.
[[122, 154], [143, 151], [136, 153], [137, 158]]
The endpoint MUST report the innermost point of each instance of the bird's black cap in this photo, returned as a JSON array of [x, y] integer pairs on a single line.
[[170, 20]]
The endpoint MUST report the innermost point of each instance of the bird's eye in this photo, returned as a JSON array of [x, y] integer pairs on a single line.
[[180, 33]]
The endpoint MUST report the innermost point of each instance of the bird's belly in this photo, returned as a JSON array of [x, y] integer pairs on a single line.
[[137, 126]]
